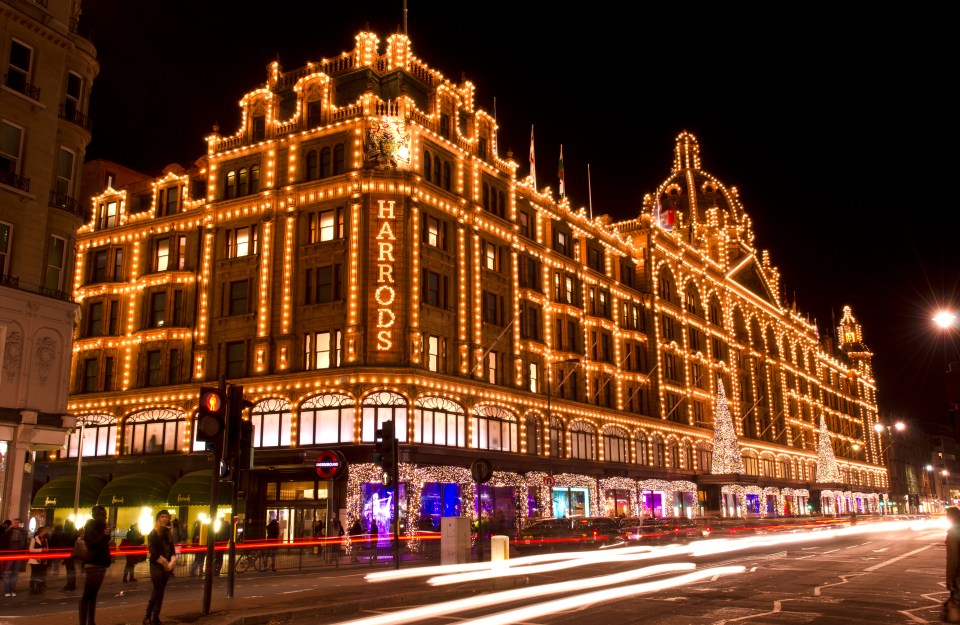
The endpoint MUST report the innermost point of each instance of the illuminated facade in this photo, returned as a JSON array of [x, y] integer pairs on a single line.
[[47, 69], [358, 251]]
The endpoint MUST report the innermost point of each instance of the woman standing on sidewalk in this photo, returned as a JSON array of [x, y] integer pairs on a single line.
[[38, 566], [96, 534], [162, 559]]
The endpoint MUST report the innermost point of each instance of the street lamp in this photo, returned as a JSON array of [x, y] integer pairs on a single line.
[[880, 428]]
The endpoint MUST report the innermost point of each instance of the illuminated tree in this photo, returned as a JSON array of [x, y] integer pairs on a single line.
[[827, 470], [726, 451]]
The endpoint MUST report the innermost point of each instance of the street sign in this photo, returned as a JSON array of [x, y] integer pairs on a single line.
[[548, 481], [481, 470], [330, 464]]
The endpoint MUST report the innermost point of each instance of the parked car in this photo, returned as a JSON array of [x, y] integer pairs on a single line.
[[548, 534], [648, 530], [596, 530]]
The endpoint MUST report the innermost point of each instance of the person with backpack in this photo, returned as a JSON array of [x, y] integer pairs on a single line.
[[96, 537], [14, 540]]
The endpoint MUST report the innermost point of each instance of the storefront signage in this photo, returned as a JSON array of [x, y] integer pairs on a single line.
[[183, 499], [549, 481], [385, 294], [50, 502], [115, 499], [330, 464]]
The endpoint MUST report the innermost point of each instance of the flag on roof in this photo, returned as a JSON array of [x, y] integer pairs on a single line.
[[560, 173], [533, 161]]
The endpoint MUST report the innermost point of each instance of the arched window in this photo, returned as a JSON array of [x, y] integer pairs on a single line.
[[325, 163], [659, 451], [271, 420], [254, 179], [583, 441], [99, 437], [674, 454], [446, 175], [687, 449], [427, 166], [338, 159], [242, 180], [716, 313], [231, 184], [557, 447], [437, 170], [326, 418], [616, 445], [439, 421], [692, 299], [534, 435], [784, 468], [665, 288], [381, 406], [313, 165], [643, 452], [495, 429], [156, 431]]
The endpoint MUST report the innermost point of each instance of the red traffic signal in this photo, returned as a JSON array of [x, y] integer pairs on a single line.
[[211, 418]]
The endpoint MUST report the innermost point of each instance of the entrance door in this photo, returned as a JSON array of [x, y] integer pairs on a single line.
[[283, 517]]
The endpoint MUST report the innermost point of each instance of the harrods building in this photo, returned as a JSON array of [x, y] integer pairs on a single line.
[[357, 249]]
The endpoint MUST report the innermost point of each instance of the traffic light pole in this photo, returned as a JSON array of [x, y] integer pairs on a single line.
[[234, 412], [396, 504], [214, 500]]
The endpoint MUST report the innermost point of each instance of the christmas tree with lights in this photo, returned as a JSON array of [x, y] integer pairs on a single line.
[[726, 451], [827, 469]]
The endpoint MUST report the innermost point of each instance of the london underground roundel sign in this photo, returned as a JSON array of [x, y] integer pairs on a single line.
[[330, 464]]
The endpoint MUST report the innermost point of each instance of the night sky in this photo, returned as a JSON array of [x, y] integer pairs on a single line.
[[832, 126]]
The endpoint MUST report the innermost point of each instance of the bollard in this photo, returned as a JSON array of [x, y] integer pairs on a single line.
[[499, 549]]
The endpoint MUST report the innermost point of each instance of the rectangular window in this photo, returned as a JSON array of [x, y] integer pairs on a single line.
[[161, 256], [95, 319], [19, 66], [431, 288], [108, 374], [568, 289], [236, 360], [90, 375], [627, 274], [433, 353], [158, 309], [177, 316], [433, 232], [595, 259], [490, 256], [72, 95], [490, 367], [118, 265], [322, 350], [562, 243], [98, 266], [531, 324], [56, 259], [572, 342], [533, 374], [242, 241], [490, 307], [239, 294], [173, 366], [173, 201], [5, 231], [11, 149], [325, 226], [444, 125], [113, 326], [64, 184], [153, 367], [107, 215], [523, 219]]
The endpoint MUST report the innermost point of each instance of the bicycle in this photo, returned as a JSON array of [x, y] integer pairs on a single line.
[[252, 559]]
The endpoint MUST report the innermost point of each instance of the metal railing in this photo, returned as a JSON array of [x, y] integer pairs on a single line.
[[18, 82], [15, 180], [72, 114]]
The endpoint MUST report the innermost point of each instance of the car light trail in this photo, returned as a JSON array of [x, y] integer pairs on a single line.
[[577, 602], [520, 594]]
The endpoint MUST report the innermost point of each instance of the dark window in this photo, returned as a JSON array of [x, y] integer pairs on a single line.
[[325, 163], [259, 127], [444, 125], [312, 166], [446, 175], [437, 167], [243, 179], [595, 259], [524, 220], [627, 275], [694, 337], [313, 114], [19, 66], [338, 159], [177, 308], [90, 374], [482, 147], [173, 366], [323, 284], [154, 358], [113, 328], [173, 201], [98, 266], [158, 309], [427, 166], [531, 324], [118, 264], [490, 307], [239, 292], [108, 374], [71, 102], [254, 179], [572, 342], [95, 319], [236, 360], [434, 291]]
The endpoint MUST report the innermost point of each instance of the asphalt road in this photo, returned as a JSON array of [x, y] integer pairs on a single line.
[[891, 576]]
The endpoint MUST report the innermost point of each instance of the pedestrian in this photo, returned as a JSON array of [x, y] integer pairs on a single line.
[[273, 536], [163, 558], [132, 541], [221, 537], [356, 529], [66, 543], [176, 531], [56, 543], [374, 539], [39, 544], [15, 540], [198, 557], [96, 534]]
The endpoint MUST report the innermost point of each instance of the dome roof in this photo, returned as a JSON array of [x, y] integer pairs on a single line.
[[692, 192]]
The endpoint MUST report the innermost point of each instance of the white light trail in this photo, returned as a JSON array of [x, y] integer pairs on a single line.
[[484, 601], [577, 602]]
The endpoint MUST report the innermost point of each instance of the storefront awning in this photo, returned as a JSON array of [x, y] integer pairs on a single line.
[[136, 490], [59, 492], [193, 489]]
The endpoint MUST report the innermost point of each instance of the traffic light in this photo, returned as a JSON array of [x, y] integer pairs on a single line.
[[384, 452], [240, 432], [211, 418]]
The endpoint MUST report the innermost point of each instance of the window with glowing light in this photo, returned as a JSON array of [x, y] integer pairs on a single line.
[[99, 437], [557, 438], [490, 367], [381, 406], [107, 212], [327, 418], [534, 432], [242, 241], [435, 352], [533, 377], [323, 350], [616, 445], [643, 452], [326, 225], [272, 421], [494, 429], [439, 421], [156, 431], [433, 232]]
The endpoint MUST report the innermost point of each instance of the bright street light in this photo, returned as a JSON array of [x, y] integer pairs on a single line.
[[900, 425], [945, 319]]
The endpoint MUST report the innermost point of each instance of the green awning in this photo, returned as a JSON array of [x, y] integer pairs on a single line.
[[59, 492], [193, 489], [136, 490]]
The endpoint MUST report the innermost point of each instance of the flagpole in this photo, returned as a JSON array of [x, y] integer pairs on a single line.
[[533, 161], [589, 192], [563, 190]]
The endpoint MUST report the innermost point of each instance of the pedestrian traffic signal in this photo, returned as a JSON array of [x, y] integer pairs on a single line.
[[211, 418], [384, 452]]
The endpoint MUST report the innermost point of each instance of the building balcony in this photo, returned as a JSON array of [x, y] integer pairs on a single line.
[[67, 203], [14, 180], [70, 113], [18, 82]]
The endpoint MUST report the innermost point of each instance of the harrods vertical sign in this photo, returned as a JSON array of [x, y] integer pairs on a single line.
[[388, 281]]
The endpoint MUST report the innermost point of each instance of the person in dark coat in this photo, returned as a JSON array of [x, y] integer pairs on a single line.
[[14, 540], [197, 567], [67, 541], [96, 533], [273, 536], [163, 558], [132, 541], [39, 544]]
